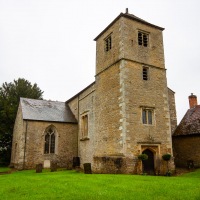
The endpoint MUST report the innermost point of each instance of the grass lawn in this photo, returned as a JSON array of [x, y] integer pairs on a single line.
[[73, 185], [4, 169]]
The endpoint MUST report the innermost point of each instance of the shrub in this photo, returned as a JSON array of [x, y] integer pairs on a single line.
[[166, 157], [143, 157]]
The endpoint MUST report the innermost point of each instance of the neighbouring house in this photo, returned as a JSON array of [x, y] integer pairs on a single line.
[[127, 111], [186, 138]]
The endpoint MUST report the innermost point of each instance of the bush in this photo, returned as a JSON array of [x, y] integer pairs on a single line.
[[166, 156], [143, 157]]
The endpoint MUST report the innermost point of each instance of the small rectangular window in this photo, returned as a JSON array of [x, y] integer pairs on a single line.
[[147, 116], [143, 39], [145, 73], [144, 116], [108, 43]]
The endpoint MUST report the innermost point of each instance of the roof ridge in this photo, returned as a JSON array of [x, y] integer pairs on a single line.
[[41, 100], [130, 16]]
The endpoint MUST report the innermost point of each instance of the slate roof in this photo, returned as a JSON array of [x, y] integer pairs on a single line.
[[190, 124], [43, 110], [130, 16]]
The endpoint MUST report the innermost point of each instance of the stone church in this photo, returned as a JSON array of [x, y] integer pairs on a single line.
[[127, 111]]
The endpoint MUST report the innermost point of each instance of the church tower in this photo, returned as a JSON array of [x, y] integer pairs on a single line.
[[131, 98]]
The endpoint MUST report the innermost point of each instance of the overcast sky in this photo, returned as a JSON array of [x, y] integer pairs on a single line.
[[50, 42]]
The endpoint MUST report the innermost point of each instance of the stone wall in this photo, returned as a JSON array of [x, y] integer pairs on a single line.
[[185, 149], [73, 104], [18, 141], [83, 104], [124, 34], [104, 59], [153, 55], [108, 140], [172, 110], [33, 145], [121, 93], [146, 94], [86, 142]]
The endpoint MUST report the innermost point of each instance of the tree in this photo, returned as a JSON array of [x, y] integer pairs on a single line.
[[10, 94]]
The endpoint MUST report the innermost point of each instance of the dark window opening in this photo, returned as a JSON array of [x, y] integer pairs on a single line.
[[108, 43], [143, 39], [140, 38], [145, 73]]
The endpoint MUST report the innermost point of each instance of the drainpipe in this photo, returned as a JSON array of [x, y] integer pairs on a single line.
[[78, 129], [25, 139]]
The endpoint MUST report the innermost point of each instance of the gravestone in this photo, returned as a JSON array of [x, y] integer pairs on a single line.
[[47, 163], [53, 167], [39, 168], [76, 162], [87, 168], [190, 164]]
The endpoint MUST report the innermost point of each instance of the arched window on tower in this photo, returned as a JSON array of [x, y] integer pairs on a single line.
[[49, 144]]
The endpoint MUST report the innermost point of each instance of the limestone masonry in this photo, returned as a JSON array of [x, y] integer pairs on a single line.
[[127, 111]]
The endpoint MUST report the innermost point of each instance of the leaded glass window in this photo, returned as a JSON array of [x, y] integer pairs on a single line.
[[49, 146], [147, 116]]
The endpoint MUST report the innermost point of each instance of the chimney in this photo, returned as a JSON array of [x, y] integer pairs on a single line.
[[192, 100]]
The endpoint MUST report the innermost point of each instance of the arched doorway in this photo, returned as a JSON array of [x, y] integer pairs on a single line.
[[148, 165]]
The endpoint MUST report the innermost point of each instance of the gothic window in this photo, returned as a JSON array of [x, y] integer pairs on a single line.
[[145, 73], [143, 39], [147, 116], [84, 126], [49, 145], [108, 43]]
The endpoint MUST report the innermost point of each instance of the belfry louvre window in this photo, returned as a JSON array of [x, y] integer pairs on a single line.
[[85, 126], [108, 43], [145, 73], [49, 146], [143, 39], [147, 116]]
